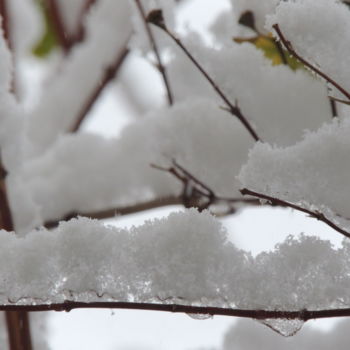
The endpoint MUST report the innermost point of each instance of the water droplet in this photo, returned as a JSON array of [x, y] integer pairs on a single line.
[[282, 326], [200, 316]]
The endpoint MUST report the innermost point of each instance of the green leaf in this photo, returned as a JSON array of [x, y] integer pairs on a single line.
[[48, 41]]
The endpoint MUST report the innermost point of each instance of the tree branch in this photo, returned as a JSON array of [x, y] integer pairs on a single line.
[[152, 40], [314, 214], [80, 34], [114, 212], [18, 329], [259, 314], [66, 39], [109, 74], [288, 45], [196, 193], [5, 21], [334, 108], [58, 23], [156, 17]]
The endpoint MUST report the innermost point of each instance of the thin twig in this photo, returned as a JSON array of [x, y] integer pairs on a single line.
[[196, 193], [155, 17], [109, 74], [281, 52], [315, 214], [259, 314], [119, 211], [153, 42], [345, 102], [287, 44], [334, 108]]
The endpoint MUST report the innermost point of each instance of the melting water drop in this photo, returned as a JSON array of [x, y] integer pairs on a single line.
[[282, 326], [200, 316]]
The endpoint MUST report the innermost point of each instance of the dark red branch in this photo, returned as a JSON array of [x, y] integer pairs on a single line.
[[18, 330], [152, 40], [156, 18], [345, 102], [6, 222], [196, 193], [287, 44], [109, 74], [58, 23], [80, 33], [119, 211], [65, 38], [5, 21], [334, 108], [304, 315], [314, 214]]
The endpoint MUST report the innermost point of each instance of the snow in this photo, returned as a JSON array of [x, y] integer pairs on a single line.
[[108, 28], [317, 37], [87, 261], [86, 172], [279, 102], [305, 161], [71, 12], [313, 171], [11, 115], [26, 25]]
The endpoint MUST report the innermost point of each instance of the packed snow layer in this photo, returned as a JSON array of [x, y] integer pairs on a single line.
[[184, 258], [280, 103], [321, 39], [86, 172], [314, 171]]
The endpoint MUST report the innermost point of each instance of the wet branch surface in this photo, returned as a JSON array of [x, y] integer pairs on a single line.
[[259, 314]]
